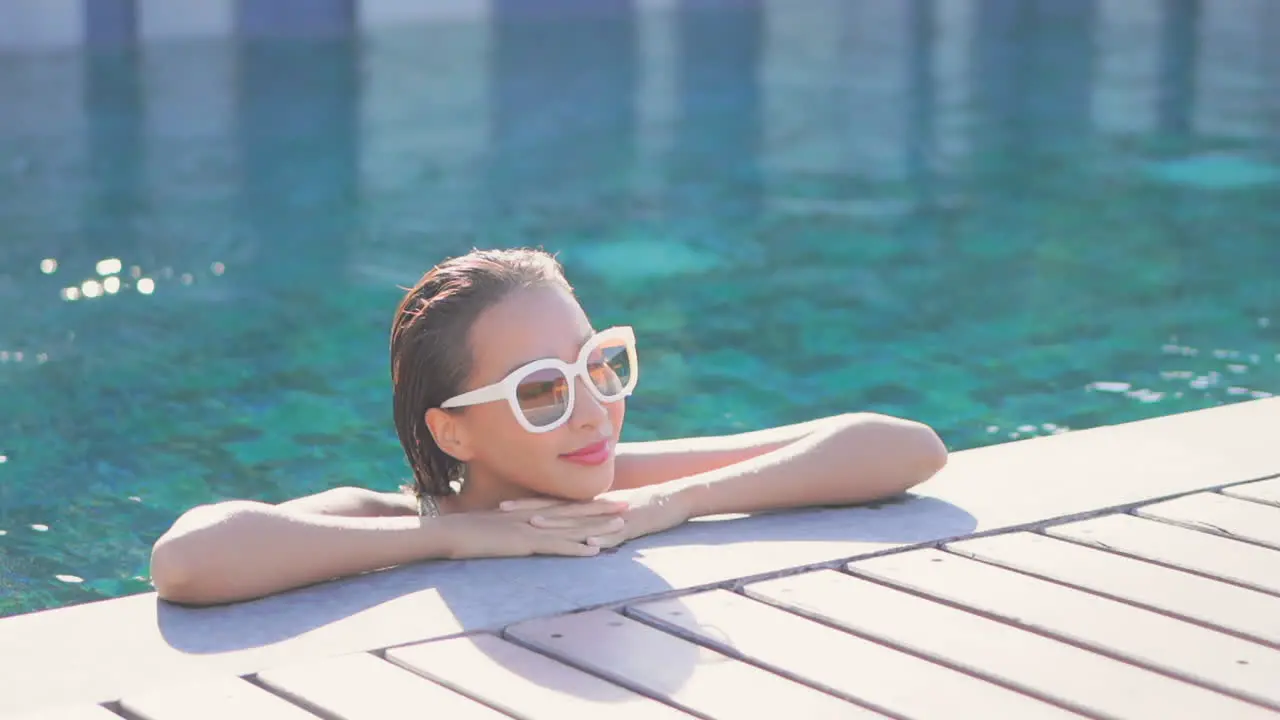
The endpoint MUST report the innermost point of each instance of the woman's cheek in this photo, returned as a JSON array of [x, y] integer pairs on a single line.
[[617, 416]]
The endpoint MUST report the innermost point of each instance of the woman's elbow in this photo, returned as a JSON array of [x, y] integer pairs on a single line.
[[911, 451], [181, 558]]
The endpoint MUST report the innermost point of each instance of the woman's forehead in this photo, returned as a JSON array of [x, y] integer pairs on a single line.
[[527, 325]]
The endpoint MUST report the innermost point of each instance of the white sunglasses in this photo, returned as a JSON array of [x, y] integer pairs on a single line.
[[541, 394]]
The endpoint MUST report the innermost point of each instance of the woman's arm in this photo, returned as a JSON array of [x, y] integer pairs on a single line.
[[354, 502], [641, 464], [239, 550], [850, 459], [845, 460]]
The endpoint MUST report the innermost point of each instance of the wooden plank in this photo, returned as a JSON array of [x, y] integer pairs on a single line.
[[1263, 491], [869, 672], [1140, 636], [525, 684], [1212, 555], [1231, 607], [692, 677], [1073, 676], [73, 712], [1215, 513], [216, 699], [364, 687]]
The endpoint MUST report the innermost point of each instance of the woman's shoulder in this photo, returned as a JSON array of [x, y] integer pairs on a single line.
[[396, 502]]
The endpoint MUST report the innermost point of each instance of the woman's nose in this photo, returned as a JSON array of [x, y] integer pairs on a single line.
[[587, 410]]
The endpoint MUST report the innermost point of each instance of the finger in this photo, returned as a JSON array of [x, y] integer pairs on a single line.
[[567, 547], [607, 541], [528, 504], [595, 507], [574, 522], [586, 530]]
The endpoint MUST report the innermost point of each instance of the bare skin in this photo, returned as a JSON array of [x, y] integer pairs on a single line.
[[521, 497]]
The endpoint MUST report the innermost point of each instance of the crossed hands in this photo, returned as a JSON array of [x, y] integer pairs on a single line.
[[544, 526]]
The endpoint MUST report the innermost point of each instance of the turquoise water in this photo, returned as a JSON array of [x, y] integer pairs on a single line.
[[1005, 219]]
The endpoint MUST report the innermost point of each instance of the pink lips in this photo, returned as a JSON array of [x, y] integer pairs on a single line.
[[593, 454]]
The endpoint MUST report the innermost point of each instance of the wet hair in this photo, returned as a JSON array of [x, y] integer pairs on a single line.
[[431, 351]]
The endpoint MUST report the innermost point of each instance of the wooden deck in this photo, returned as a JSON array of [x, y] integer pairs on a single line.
[[1161, 609]]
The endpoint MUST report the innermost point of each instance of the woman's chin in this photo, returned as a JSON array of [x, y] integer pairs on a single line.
[[586, 486]]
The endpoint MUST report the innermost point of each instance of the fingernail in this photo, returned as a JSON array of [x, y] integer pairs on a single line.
[[593, 542], [536, 519], [505, 505]]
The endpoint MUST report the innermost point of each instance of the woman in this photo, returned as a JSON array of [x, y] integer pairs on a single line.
[[509, 406]]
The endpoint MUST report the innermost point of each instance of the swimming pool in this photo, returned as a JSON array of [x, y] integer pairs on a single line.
[[1004, 219]]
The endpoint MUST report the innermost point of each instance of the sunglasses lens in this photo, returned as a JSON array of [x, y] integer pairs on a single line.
[[610, 369], [543, 396]]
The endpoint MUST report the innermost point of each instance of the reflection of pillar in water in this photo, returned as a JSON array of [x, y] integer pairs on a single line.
[[953, 82], [718, 130], [878, 63], [47, 129], [921, 104], [424, 114], [295, 18], [191, 154], [110, 23], [168, 20], [1126, 87], [1270, 21], [117, 148], [807, 111], [1232, 89], [563, 84], [1033, 69], [297, 130], [1179, 55]]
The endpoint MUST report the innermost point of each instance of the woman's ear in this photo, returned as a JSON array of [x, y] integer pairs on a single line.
[[450, 434]]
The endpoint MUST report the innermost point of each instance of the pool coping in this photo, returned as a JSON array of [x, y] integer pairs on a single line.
[[99, 652]]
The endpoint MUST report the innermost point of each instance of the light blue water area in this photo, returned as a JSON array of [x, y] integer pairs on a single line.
[[1004, 222]]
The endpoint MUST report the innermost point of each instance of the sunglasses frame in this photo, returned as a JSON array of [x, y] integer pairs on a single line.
[[505, 389]]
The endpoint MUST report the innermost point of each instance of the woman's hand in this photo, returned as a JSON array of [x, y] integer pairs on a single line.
[[647, 511], [531, 527]]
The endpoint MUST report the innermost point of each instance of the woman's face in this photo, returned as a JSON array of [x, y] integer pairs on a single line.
[[533, 324]]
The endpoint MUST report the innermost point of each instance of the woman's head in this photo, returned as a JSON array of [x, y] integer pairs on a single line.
[[466, 325]]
